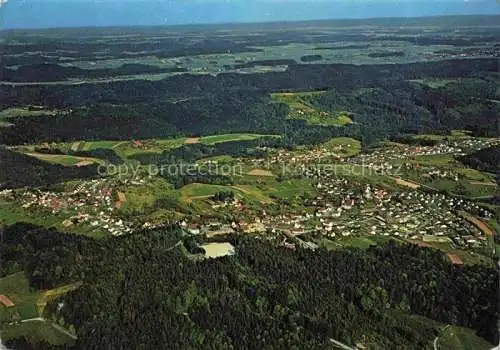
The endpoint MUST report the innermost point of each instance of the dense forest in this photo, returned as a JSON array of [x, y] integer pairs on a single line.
[[381, 100], [54, 72], [263, 297], [487, 159], [296, 78]]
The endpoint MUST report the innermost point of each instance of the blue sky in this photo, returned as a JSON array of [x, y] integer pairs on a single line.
[[59, 13]]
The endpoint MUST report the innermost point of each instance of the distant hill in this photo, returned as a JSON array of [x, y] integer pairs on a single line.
[[54, 72]]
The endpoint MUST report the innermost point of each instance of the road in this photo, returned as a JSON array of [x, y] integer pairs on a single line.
[[338, 344], [436, 339]]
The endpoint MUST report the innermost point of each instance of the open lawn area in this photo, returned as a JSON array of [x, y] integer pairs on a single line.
[[213, 139]]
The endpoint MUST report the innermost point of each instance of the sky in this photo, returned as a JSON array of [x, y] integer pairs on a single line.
[[77, 13]]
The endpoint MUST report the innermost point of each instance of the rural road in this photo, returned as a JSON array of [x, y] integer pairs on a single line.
[[341, 345], [436, 339], [36, 319]]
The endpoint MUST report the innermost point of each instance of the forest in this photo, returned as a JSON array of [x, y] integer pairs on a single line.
[[54, 72], [263, 297], [383, 103], [19, 170], [487, 159]]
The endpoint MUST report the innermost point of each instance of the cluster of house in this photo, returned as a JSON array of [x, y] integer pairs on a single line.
[[347, 207], [382, 156], [467, 52], [344, 207], [91, 202]]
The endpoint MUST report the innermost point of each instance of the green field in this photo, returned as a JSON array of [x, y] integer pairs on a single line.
[[345, 146], [458, 338], [16, 288], [26, 315], [203, 191], [62, 159], [141, 199], [288, 189], [128, 149], [354, 242], [302, 107], [12, 212], [37, 331], [8, 113]]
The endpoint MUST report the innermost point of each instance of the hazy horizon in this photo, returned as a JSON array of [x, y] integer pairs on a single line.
[[104, 13]]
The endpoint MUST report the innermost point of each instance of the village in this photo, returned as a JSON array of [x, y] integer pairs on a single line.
[[92, 203], [344, 206]]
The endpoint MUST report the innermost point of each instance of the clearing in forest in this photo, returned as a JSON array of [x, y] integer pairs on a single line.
[[455, 260], [303, 105]]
